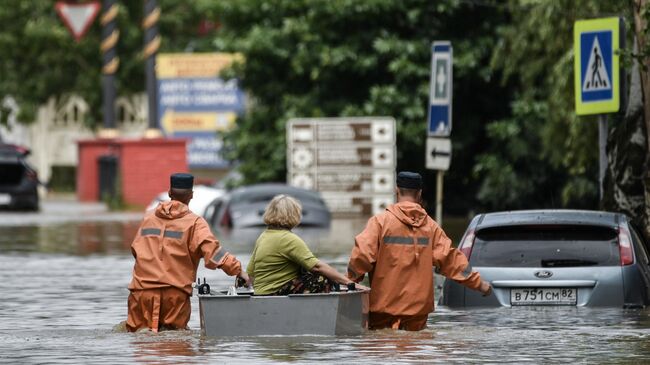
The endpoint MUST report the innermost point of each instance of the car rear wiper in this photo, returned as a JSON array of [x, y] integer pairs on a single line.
[[567, 263]]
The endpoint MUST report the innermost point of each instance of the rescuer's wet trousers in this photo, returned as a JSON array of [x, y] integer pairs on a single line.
[[378, 321], [158, 309]]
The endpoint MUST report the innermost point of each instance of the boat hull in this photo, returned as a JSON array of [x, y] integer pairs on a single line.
[[338, 313]]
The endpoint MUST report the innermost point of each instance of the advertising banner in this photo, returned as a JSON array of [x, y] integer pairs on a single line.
[[194, 102]]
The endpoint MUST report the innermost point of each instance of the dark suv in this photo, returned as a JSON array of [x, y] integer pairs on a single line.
[[18, 180], [555, 257]]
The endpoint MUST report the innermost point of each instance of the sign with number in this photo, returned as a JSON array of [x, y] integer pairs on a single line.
[[439, 121], [596, 65]]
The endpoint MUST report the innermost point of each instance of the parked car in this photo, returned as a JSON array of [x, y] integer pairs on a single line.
[[554, 257], [18, 180], [244, 206]]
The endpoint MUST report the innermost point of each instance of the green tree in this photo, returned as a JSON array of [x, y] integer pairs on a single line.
[[551, 155], [40, 59], [351, 58]]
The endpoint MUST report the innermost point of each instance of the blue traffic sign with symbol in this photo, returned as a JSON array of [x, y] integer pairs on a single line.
[[597, 80], [439, 121]]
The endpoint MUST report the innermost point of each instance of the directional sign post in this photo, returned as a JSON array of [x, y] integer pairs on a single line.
[[438, 154], [351, 161], [439, 121], [597, 74]]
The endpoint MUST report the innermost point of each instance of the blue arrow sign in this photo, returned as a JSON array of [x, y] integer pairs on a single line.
[[439, 121]]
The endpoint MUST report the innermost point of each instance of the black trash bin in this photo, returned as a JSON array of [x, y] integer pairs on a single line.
[[107, 176]]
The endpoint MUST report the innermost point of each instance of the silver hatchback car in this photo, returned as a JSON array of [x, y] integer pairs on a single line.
[[554, 257]]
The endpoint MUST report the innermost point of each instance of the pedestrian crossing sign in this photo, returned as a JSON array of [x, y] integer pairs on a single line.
[[596, 66]]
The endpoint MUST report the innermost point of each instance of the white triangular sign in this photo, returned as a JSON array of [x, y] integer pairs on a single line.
[[596, 77], [77, 17]]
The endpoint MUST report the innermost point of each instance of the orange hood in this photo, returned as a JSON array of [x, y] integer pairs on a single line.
[[171, 210], [409, 213]]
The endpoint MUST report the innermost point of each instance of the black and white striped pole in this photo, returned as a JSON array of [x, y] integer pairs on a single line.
[[151, 45], [110, 64]]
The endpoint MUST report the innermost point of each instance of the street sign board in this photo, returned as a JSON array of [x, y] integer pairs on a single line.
[[77, 17], [438, 156], [596, 65], [195, 103], [351, 161], [357, 204], [439, 121]]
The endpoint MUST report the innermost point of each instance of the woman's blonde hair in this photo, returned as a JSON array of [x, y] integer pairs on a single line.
[[283, 211]]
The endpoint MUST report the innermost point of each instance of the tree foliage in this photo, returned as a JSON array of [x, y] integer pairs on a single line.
[[39, 58], [349, 58], [516, 140], [542, 155]]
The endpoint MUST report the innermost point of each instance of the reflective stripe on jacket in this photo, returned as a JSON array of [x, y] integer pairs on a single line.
[[399, 249], [169, 245]]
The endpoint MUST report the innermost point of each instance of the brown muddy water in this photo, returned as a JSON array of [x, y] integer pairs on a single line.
[[63, 291]]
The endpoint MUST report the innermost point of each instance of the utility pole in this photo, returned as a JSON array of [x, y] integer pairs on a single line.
[[110, 64], [151, 45]]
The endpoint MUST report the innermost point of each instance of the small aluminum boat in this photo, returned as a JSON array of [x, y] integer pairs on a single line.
[[336, 313]]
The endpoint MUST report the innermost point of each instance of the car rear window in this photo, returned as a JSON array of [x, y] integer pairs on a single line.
[[11, 170], [546, 246]]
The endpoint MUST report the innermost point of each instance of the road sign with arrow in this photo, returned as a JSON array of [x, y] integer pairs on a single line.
[[438, 155]]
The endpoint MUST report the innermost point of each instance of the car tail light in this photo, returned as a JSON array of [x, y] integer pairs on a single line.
[[226, 221], [466, 244], [32, 175], [625, 246]]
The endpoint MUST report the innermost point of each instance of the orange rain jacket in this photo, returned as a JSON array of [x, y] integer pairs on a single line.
[[167, 250], [399, 248]]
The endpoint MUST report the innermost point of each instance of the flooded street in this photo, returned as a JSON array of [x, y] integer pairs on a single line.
[[63, 279]]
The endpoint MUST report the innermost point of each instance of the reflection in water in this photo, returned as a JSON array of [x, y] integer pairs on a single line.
[[63, 290], [164, 347], [71, 238]]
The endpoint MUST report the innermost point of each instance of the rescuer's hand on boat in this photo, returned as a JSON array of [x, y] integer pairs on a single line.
[[358, 286], [485, 288], [247, 280]]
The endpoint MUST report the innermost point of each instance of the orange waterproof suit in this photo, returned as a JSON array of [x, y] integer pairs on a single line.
[[399, 248], [167, 250]]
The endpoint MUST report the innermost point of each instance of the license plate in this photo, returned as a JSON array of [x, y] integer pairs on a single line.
[[544, 296], [5, 199]]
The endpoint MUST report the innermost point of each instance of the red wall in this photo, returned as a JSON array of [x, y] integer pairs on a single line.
[[144, 166]]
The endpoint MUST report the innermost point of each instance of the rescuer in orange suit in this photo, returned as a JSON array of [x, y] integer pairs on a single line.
[[167, 249], [398, 249]]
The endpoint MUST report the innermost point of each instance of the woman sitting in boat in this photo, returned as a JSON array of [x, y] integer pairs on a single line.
[[282, 263]]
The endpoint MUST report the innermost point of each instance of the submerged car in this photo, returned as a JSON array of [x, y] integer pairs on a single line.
[[244, 207], [203, 196], [554, 257], [18, 180]]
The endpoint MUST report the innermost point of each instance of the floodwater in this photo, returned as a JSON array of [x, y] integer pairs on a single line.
[[63, 279]]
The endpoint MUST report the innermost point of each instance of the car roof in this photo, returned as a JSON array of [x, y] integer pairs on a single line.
[[548, 217], [10, 149], [272, 189]]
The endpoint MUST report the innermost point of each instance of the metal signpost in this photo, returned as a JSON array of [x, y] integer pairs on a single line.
[[597, 74], [351, 161], [438, 153]]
